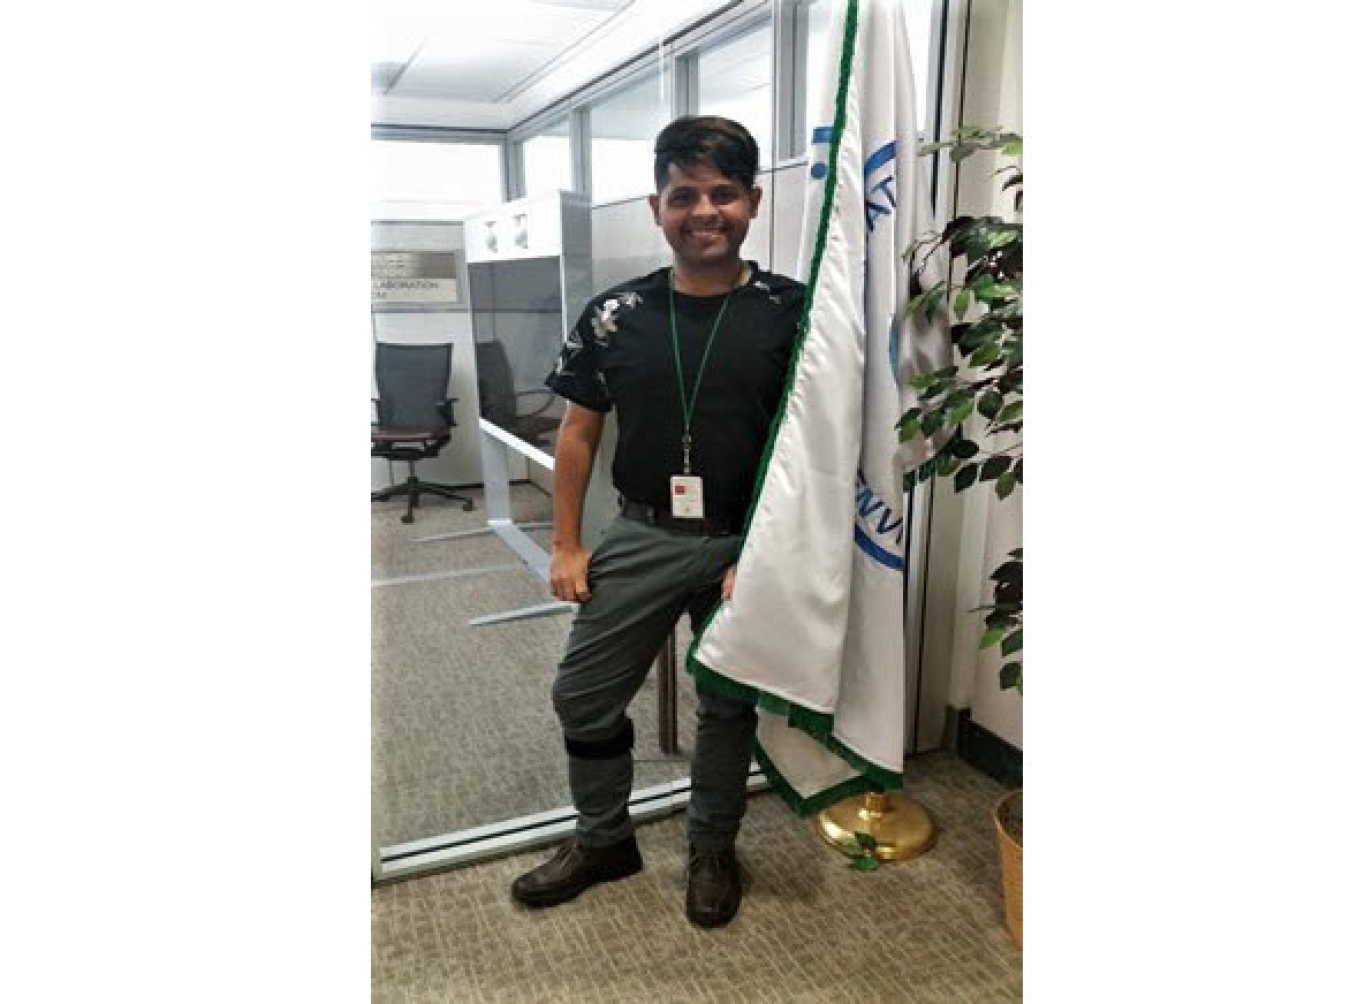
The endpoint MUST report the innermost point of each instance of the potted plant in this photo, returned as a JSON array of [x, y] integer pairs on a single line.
[[984, 391]]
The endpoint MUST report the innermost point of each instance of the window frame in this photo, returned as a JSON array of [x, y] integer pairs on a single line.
[[788, 23], [456, 137]]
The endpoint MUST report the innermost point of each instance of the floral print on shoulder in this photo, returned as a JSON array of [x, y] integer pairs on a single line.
[[603, 319], [763, 287]]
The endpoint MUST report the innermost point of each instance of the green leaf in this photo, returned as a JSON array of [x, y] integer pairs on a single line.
[[1012, 643], [961, 411], [922, 381], [963, 448], [935, 297], [965, 477], [1016, 553], [962, 150], [909, 429], [1003, 238], [990, 402], [1011, 413], [1013, 149], [1011, 676], [865, 864], [993, 467], [992, 636], [946, 466], [1005, 484], [999, 618], [962, 303], [931, 423], [987, 354]]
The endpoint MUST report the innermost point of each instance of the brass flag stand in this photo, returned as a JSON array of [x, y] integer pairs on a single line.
[[901, 827]]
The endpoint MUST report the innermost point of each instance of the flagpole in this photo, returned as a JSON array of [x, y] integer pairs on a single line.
[[901, 827]]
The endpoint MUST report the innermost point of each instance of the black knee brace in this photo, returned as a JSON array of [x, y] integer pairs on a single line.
[[602, 749]]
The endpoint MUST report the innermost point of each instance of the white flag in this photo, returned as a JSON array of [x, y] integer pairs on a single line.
[[814, 631]]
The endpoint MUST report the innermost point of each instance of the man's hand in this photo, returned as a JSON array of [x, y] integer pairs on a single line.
[[728, 582], [567, 574]]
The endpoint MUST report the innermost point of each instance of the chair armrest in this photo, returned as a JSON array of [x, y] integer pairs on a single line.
[[447, 410], [547, 394]]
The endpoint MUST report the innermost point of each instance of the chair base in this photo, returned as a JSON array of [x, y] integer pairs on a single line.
[[413, 488]]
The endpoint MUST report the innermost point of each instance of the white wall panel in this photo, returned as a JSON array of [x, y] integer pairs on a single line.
[[972, 532], [758, 243], [458, 463], [789, 188], [625, 242]]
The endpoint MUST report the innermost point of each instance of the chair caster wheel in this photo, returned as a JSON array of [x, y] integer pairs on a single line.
[[468, 506]]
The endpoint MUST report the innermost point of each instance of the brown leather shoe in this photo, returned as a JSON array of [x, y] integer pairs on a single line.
[[574, 869], [714, 892]]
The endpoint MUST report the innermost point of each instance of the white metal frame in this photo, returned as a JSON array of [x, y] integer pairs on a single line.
[[522, 833]]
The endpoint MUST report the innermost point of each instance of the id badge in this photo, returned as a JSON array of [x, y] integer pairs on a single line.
[[686, 496]]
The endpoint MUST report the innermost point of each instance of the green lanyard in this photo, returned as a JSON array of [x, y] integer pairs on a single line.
[[687, 404]]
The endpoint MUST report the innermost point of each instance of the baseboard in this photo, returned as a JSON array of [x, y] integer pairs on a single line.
[[988, 753]]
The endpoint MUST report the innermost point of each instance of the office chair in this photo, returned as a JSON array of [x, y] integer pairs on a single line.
[[413, 416], [501, 402]]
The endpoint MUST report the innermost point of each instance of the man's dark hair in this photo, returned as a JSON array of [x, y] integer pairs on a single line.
[[710, 140]]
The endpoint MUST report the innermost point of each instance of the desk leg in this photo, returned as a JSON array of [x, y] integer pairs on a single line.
[[667, 725], [496, 478], [497, 489]]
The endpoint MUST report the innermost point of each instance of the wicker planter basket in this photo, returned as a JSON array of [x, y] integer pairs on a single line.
[[1008, 822]]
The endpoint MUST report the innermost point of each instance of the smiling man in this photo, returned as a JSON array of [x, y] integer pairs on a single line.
[[693, 360]]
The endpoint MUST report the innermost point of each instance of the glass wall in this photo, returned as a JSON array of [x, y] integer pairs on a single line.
[[546, 159], [410, 177], [735, 80], [623, 125]]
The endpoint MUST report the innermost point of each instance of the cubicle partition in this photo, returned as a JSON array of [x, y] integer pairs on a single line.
[[529, 269]]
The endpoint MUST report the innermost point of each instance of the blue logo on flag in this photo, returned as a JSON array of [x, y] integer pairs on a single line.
[[821, 134], [877, 530], [879, 196], [883, 204]]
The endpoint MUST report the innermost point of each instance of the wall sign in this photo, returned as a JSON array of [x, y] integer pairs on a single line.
[[414, 278]]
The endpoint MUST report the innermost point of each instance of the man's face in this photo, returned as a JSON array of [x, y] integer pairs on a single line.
[[704, 214]]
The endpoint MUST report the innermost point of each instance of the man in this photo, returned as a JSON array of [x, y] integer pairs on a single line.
[[693, 358]]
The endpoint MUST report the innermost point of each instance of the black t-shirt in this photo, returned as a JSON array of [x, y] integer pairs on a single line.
[[620, 354]]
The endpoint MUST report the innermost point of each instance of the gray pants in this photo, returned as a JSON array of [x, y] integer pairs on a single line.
[[642, 579]]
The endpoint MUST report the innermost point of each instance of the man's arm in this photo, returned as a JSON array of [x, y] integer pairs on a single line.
[[578, 441]]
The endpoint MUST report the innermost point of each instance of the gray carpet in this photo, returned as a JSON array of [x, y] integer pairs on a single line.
[[464, 734], [463, 728], [810, 928]]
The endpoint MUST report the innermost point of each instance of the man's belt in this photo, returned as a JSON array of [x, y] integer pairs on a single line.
[[711, 526]]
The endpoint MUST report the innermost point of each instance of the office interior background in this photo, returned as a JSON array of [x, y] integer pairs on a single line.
[[190, 697], [479, 122]]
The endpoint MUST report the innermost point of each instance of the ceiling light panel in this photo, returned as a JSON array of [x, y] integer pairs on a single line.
[[485, 49]]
